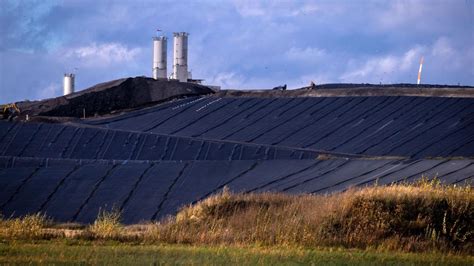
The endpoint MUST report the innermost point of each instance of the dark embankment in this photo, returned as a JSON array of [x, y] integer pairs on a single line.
[[112, 96], [351, 90]]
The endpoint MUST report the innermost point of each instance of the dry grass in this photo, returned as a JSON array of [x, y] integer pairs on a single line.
[[426, 216], [107, 225], [25, 227]]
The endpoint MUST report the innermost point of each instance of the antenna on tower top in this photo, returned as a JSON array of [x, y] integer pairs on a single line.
[[419, 71], [159, 32]]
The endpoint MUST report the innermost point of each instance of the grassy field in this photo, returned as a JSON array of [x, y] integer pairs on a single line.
[[424, 223], [64, 252]]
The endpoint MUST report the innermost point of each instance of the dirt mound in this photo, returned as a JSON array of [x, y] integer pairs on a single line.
[[112, 96]]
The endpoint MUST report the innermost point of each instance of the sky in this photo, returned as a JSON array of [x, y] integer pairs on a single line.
[[236, 44]]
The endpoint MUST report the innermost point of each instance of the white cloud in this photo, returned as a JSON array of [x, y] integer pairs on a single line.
[[398, 13], [415, 16], [227, 80], [103, 54], [442, 48], [410, 57], [52, 90], [372, 68], [447, 55], [385, 69], [306, 9], [441, 59], [306, 54], [272, 9], [248, 8]]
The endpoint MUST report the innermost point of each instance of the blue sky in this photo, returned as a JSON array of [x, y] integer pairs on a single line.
[[235, 44]]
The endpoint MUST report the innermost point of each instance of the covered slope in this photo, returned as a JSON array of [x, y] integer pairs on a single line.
[[75, 190], [43, 140], [153, 155], [416, 127]]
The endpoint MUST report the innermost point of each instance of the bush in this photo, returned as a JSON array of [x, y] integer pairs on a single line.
[[107, 225]]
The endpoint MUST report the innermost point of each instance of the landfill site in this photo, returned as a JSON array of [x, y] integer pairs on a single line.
[[149, 146]]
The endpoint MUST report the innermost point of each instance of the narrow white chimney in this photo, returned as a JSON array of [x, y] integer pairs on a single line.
[[159, 57], [180, 56], [68, 83]]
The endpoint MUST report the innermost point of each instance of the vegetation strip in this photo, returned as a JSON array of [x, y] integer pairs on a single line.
[[425, 217], [112, 253]]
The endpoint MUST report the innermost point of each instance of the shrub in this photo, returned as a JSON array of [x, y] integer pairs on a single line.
[[107, 225]]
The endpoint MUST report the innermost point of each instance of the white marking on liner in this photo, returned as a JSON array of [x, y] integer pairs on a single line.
[[184, 104], [206, 105]]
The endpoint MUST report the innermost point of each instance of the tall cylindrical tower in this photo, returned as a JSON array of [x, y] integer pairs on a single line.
[[180, 56], [159, 57], [68, 83]]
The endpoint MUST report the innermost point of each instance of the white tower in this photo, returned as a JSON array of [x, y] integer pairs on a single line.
[[419, 71], [180, 56], [68, 83], [159, 57]]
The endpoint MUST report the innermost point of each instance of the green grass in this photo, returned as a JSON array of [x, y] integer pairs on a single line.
[[90, 252]]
